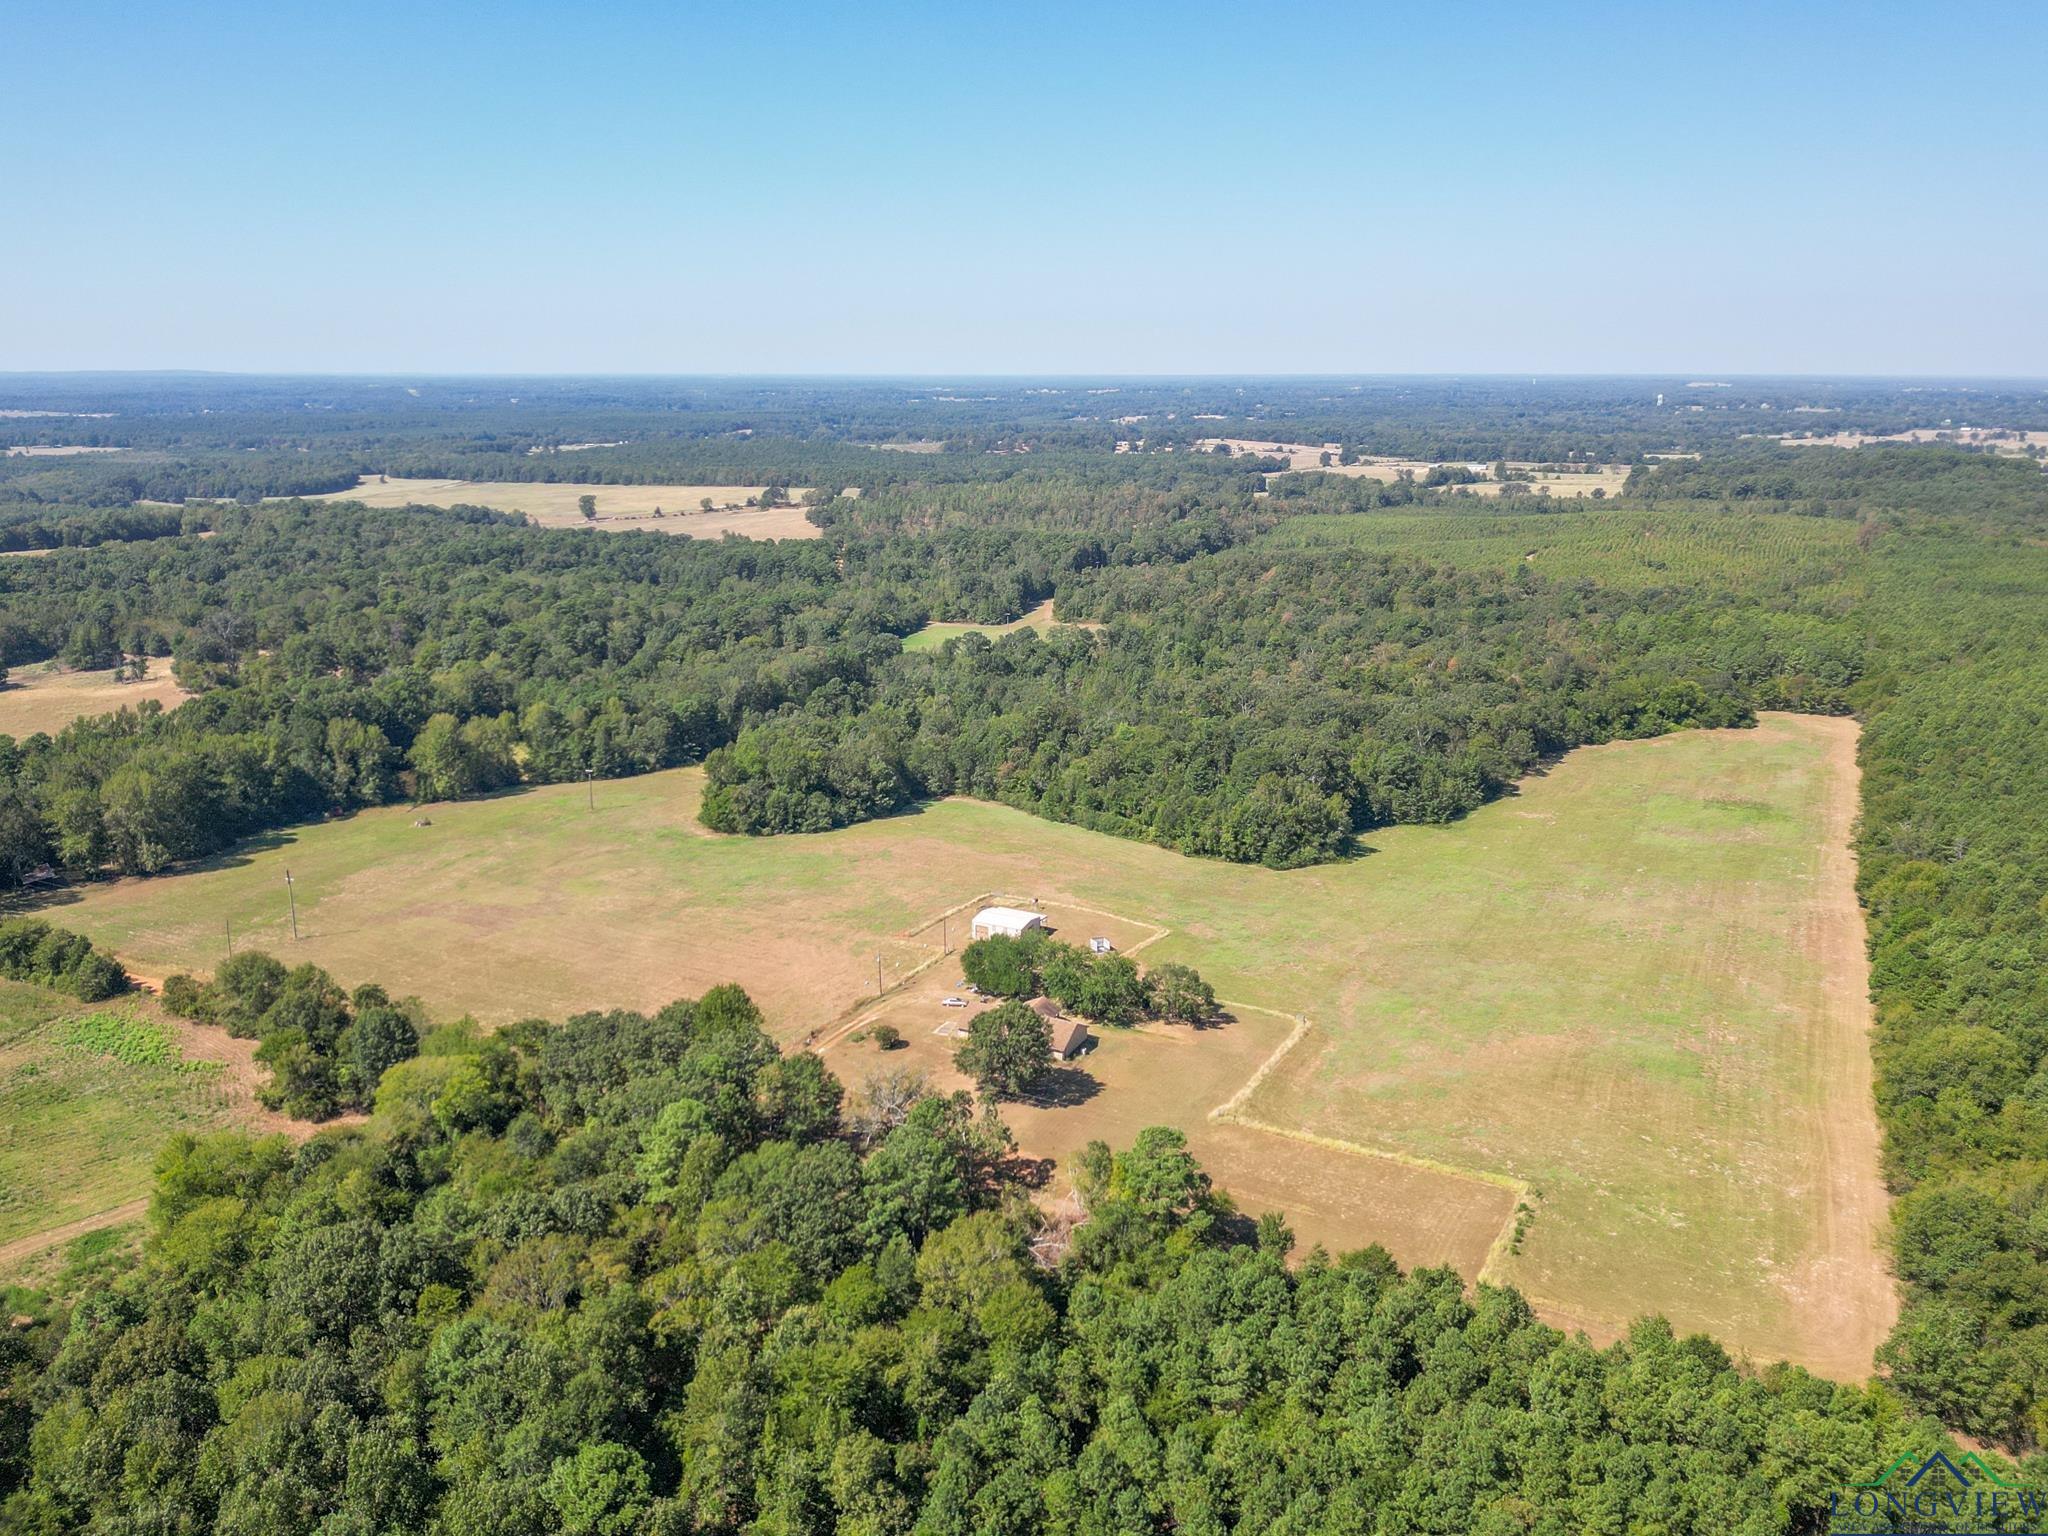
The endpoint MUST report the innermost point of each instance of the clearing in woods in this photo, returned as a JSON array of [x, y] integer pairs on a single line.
[[88, 1092], [932, 636], [47, 697], [620, 508], [1631, 996]]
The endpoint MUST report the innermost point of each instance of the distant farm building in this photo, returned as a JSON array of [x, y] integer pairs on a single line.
[[1008, 922]]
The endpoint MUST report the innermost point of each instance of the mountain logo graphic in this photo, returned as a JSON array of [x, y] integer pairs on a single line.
[[1939, 1460]]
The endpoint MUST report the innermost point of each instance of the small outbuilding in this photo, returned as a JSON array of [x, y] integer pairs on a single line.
[[1006, 922], [1070, 1038]]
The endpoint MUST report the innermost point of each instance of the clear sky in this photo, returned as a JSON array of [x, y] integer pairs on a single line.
[[1025, 187]]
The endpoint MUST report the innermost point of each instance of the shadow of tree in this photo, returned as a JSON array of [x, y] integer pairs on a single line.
[[1061, 1088], [1031, 1172]]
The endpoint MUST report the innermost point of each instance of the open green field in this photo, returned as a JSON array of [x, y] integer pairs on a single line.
[[88, 1092], [932, 636], [1632, 996]]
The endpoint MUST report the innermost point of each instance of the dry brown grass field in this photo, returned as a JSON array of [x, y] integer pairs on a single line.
[[47, 697], [2006, 441], [620, 508], [1631, 995]]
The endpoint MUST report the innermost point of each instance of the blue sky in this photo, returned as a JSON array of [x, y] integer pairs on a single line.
[[886, 187]]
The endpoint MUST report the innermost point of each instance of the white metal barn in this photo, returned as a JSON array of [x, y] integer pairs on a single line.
[[1010, 922]]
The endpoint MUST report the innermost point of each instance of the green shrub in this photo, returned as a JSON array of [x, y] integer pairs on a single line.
[[187, 998], [33, 950]]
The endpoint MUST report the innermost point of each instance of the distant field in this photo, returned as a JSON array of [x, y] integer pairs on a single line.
[[87, 1095], [55, 450], [1634, 991], [1609, 479], [932, 636], [619, 507], [2002, 440], [46, 697]]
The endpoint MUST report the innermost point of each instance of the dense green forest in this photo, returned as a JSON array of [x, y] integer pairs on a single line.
[[627, 1274]]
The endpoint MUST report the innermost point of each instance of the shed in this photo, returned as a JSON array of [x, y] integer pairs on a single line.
[[1070, 1037], [1009, 922]]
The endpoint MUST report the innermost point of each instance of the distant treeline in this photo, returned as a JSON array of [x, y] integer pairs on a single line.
[[248, 437], [36, 527]]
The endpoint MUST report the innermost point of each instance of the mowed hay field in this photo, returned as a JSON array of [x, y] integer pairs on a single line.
[[47, 697], [620, 508], [1634, 991]]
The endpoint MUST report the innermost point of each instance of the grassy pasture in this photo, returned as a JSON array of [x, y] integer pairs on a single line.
[[620, 508], [47, 697], [1634, 989]]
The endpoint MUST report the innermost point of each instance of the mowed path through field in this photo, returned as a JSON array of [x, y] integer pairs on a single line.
[[1633, 990]]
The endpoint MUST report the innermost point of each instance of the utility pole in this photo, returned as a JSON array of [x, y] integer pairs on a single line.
[[945, 942], [292, 896], [590, 785], [230, 923], [878, 975]]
